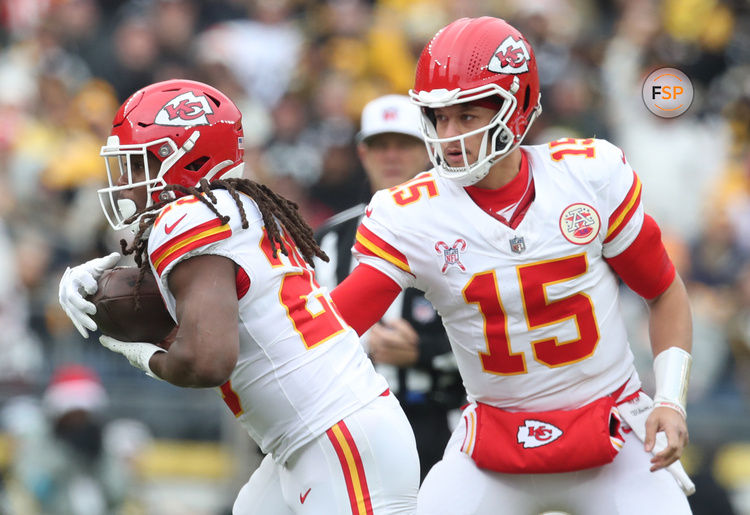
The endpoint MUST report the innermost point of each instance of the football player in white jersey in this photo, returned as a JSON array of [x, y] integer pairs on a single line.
[[233, 263], [520, 250]]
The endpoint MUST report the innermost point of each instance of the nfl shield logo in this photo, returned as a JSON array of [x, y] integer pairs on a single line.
[[517, 244], [452, 255]]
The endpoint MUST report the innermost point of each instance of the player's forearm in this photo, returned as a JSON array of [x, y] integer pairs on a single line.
[[671, 331], [670, 319], [181, 367]]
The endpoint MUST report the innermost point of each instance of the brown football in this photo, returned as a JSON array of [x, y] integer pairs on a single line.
[[116, 314]]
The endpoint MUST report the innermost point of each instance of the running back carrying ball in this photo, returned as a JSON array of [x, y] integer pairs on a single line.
[[117, 314]]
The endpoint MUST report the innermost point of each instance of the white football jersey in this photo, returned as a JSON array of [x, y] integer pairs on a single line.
[[531, 311], [300, 368]]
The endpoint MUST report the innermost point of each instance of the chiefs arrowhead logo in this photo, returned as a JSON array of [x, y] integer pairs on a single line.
[[185, 110], [535, 433], [510, 57]]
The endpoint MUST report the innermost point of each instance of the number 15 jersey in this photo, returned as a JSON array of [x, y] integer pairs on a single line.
[[530, 307]]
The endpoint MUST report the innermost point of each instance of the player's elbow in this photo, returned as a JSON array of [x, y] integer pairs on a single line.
[[208, 375], [203, 369]]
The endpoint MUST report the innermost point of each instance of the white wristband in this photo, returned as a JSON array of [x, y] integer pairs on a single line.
[[672, 374]]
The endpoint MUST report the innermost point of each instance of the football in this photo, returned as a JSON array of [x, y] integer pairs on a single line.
[[116, 314]]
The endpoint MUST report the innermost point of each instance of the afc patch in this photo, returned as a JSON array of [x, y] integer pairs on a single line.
[[580, 223]]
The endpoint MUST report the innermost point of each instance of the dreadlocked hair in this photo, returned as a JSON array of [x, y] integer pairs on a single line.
[[272, 207]]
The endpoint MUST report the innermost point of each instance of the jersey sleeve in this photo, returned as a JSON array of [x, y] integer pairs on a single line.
[[622, 199], [364, 297], [377, 245], [183, 229], [645, 265], [632, 244]]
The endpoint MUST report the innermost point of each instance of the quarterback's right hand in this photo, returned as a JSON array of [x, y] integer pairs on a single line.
[[79, 281]]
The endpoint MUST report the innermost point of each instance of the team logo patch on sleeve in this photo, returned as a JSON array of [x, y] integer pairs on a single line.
[[452, 254], [580, 223]]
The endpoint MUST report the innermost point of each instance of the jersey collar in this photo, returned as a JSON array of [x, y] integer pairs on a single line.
[[519, 190]]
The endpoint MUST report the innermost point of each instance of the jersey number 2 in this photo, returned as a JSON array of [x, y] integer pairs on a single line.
[[313, 328], [296, 295], [534, 278]]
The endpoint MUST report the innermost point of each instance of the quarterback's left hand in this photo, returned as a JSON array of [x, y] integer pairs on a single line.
[[675, 428], [138, 353]]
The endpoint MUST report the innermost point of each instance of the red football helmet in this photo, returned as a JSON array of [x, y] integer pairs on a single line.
[[472, 59], [194, 131]]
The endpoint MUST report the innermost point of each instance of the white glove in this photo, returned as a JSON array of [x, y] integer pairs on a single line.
[[138, 353], [79, 281]]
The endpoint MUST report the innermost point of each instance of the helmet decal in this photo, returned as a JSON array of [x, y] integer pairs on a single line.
[[511, 56], [185, 110]]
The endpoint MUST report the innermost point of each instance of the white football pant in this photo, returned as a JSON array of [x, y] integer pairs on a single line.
[[456, 486], [367, 464]]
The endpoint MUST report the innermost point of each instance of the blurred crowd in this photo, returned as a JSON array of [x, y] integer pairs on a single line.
[[301, 70]]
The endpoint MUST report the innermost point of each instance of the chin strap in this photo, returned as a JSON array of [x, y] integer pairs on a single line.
[[672, 374]]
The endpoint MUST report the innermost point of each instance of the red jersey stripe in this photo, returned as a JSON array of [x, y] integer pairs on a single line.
[[625, 211], [196, 237], [197, 243], [368, 243], [164, 247]]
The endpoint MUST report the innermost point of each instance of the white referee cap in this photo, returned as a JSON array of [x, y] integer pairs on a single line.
[[390, 113]]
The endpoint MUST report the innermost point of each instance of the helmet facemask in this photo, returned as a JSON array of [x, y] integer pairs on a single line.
[[121, 160], [189, 131], [498, 140], [483, 60]]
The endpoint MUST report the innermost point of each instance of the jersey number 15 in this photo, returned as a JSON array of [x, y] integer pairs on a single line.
[[533, 279]]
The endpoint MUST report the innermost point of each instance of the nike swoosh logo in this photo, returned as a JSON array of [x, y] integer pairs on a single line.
[[368, 211], [302, 498], [169, 228]]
